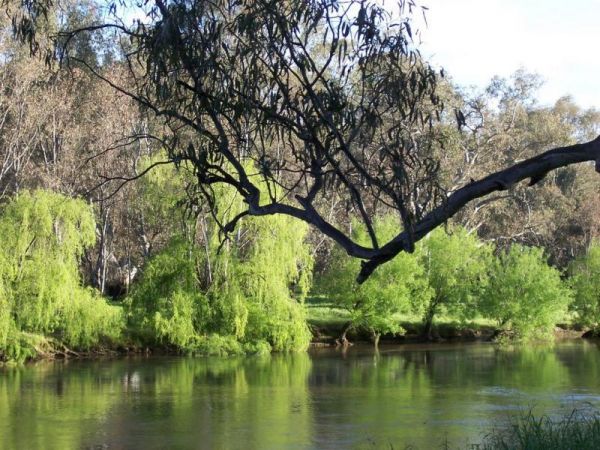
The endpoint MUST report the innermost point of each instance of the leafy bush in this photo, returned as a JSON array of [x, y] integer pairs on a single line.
[[395, 287], [455, 266], [525, 295]]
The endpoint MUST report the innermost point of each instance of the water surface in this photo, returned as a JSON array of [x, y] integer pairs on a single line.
[[419, 395]]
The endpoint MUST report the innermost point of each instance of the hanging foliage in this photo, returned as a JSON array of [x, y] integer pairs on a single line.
[[204, 295], [45, 235]]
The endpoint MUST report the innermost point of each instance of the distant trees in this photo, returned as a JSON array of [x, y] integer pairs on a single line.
[[320, 96], [67, 131], [505, 125]]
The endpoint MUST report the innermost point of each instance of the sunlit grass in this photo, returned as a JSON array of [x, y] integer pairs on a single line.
[[325, 314]]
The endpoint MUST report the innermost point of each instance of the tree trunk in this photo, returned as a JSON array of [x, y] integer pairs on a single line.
[[343, 340], [376, 337], [428, 321], [428, 329]]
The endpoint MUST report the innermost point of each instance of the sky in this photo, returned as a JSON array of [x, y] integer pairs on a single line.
[[558, 39]]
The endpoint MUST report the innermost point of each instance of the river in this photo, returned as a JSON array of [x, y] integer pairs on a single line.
[[419, 395]]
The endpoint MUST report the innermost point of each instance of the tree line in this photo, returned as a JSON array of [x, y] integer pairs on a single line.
[[204, 296], [323, 97]]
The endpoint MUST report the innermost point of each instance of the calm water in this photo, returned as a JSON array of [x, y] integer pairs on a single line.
[[419, 395]]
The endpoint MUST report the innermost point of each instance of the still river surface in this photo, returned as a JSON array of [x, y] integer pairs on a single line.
[[413, 394]]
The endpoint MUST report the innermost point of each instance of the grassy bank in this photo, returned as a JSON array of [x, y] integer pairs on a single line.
[[327, 322]]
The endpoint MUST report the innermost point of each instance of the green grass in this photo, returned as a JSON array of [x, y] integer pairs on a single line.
[[576, 431], [323, 312], [326, 316]]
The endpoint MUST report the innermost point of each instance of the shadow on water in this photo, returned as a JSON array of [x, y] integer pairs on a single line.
[[421, 395]]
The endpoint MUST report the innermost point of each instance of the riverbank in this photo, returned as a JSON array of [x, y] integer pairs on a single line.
[[328, 323]]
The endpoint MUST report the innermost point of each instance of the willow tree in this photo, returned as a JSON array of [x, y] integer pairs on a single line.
[[456, 267], [320, 95], [525, 295], [44, 237], [205, 295]]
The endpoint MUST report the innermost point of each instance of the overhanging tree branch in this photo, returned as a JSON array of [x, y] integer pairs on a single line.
[[533, 168]]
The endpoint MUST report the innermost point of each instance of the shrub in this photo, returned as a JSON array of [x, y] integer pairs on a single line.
[[394, 288], [525, 295], [455, 266]]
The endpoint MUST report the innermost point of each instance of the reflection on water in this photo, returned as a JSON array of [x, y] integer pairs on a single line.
[[419, 395]]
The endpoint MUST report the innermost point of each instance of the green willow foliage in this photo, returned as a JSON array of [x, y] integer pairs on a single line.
[[396, 287], [167, 305], [41, 293], [525, 295], [244, 295], [453, 273], [585, 280], [278, 263]]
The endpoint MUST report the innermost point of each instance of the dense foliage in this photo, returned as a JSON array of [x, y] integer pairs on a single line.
[[320, 101], [203, 295], [585, 278], [525, 295], [454, 274], [178, 246], [44, 236], [399, 287], [456, 268]]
